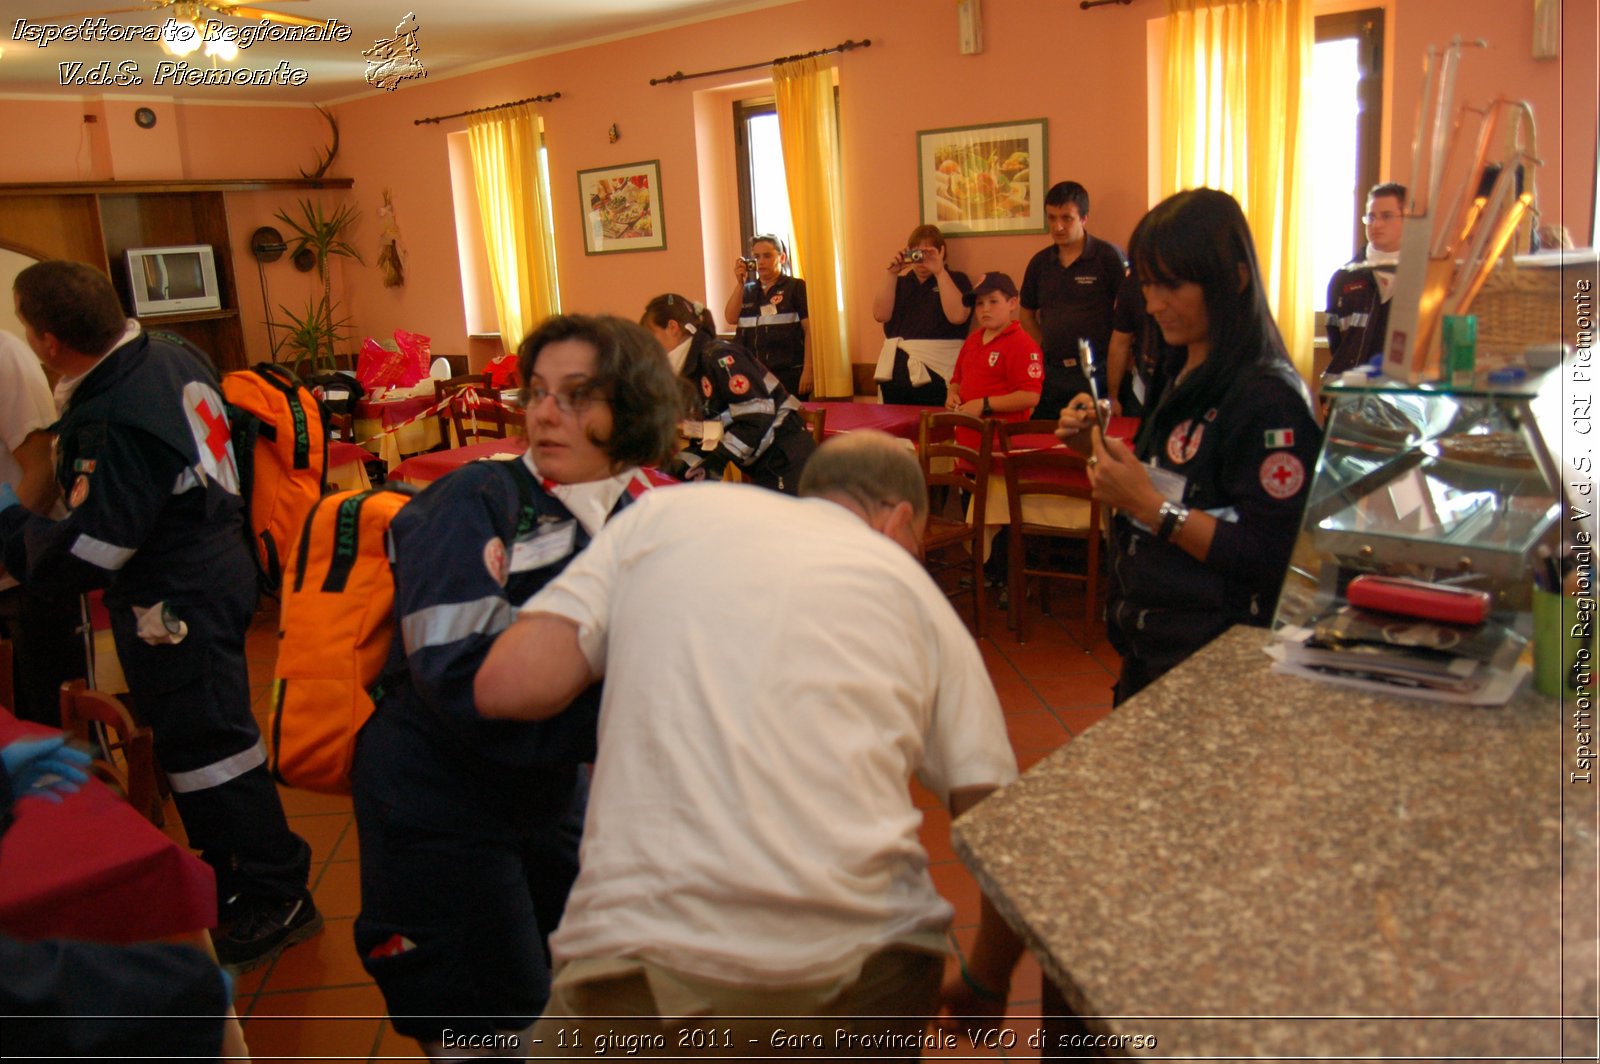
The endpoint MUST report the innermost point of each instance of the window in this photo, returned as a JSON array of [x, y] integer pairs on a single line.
[[1346, 115], [477, 290], [763, 192]]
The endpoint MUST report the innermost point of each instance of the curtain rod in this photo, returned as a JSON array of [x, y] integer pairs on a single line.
[[493, 107], [844, 47]]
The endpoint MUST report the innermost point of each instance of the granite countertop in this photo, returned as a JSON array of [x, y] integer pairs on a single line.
[[1244, 863]]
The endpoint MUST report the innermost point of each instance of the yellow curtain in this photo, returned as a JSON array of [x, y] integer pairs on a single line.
[[1233, 118], [811, 164], [511, 203]]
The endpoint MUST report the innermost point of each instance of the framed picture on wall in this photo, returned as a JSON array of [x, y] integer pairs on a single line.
[[622, 208], [984, 180]]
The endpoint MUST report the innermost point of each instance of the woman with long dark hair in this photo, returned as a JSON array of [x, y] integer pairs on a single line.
[[1209, 497], [741, 412]]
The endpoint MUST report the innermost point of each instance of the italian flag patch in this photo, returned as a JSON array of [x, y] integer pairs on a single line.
[[1279, 438]]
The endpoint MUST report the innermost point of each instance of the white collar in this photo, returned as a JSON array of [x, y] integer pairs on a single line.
[[590, 502], [1381, 258], [67, 385], [679, 355]]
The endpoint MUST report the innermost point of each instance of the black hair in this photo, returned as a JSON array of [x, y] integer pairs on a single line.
[[1389, 188], [768, 238], [1064, 192], [1201, 236], [73, 302], [694, 318], [631, 371]]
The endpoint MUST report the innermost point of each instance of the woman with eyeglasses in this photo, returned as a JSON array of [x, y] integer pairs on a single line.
[[740, 412], [1208, 498], [469, 828]]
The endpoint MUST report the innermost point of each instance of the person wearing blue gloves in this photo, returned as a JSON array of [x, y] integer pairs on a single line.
[[156, 999], [154, 516]]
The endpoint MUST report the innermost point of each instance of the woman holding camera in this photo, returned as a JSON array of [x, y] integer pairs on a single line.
[[741, 411], [924, 320], [1209, 497], [769, 307]]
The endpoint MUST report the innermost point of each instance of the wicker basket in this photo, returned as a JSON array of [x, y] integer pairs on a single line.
[[1525, 301]]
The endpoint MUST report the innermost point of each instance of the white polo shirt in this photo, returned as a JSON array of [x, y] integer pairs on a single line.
[[776, 671]]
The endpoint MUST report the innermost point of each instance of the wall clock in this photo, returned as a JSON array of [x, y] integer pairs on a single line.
[[144, 118]]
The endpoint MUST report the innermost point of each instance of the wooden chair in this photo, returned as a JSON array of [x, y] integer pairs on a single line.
[[484, 419], [129, 762], [816, 421], [949, 464], [1055, 477]]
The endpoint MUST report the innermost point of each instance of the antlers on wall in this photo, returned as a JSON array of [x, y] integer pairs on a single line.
[[325, 161]]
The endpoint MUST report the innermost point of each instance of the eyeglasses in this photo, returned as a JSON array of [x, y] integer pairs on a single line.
[[1382, 216], [573, 400]]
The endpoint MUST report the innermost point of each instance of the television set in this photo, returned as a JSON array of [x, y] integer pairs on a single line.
[[173, 280]]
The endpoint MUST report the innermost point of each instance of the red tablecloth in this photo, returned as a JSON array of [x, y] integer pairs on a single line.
[[1121, 428], [392, 411], [844, 416], [91, 868], [424, 469]]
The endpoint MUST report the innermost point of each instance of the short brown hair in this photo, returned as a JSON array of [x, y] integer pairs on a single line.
[[930, 233], [73, 302], [871, 468], [631, 370]]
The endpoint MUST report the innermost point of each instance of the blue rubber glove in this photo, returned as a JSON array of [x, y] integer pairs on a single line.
[[47, 768], [8, 498]]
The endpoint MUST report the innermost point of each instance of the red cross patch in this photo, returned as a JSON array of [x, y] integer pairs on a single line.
[[1035, 370], [738, 384], [705, 386], [777, 297], [1184, 443], [1282, 475], [494, 560], [208, 424], [994, 358], [80, 492]]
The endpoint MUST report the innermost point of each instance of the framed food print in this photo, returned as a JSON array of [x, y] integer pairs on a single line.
[[622, 208], [984, 180]]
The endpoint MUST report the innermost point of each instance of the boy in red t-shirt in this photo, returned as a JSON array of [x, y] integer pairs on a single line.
[[1000, 371]]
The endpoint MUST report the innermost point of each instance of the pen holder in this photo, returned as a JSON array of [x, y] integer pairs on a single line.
[[1563, 642]]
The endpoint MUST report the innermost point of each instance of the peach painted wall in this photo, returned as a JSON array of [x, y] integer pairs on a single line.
[[1561, 91], [911, 78], [1085, 71]]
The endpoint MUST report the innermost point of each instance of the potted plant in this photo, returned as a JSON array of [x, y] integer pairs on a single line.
[[311, 336], [320, 236]]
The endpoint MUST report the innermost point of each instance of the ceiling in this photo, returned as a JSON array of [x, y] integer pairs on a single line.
[[452, 36]]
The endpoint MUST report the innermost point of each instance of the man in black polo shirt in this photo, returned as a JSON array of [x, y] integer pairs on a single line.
[[1069, 292]]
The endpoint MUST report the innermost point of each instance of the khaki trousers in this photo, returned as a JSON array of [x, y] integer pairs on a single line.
[[625, 1006]]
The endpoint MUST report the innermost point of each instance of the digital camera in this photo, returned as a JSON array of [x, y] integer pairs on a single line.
[[913, 254], [749, 264]]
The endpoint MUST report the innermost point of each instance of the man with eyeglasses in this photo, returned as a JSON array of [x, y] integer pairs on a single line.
[[1358, 295], [751, 848]]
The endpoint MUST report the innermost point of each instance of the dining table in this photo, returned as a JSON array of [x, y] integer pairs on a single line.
[[1055, 510], [392, 428], [846, 416], [421, 470], [91, 869]]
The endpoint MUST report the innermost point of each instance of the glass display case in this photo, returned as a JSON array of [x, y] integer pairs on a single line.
[[1441, 484]]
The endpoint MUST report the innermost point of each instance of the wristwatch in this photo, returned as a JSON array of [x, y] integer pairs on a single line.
[[987, 409], [1172, 516]]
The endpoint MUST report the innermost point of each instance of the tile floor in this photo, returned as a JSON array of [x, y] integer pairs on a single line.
[[315, 1001]]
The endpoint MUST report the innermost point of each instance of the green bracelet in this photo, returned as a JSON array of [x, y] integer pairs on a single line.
[[978, 988]]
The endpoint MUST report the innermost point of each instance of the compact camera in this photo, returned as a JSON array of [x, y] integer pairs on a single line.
[[913, 255], [749, 265]]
